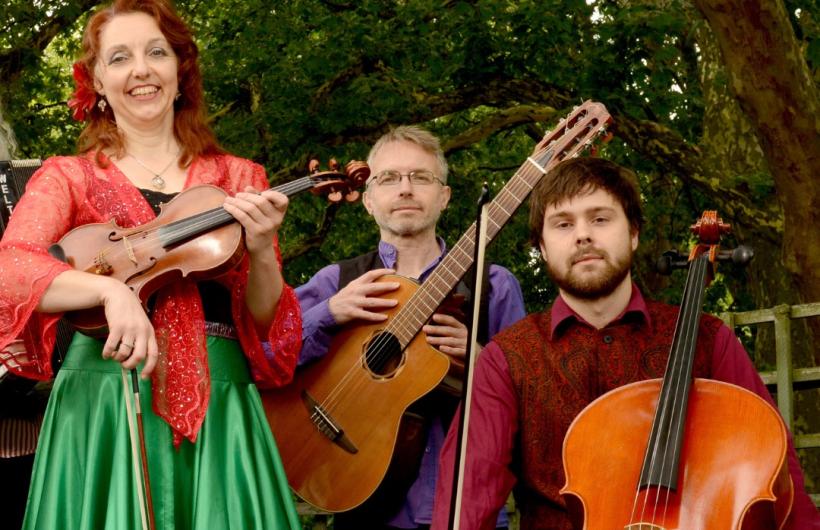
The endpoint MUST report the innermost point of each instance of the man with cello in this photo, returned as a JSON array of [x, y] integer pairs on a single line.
[[405, 195], [534, 378]]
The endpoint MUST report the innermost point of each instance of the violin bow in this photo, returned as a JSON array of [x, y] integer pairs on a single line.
[[141, 476]]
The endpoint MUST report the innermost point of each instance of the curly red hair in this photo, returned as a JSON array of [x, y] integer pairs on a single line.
[[190, 124]]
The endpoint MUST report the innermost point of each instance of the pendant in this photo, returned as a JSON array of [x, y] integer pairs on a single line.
[[158, 182]]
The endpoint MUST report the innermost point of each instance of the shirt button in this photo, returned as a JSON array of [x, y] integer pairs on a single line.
[[608, 339]]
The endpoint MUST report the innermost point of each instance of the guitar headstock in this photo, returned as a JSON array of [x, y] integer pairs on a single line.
[[576, 132], [337, 183]]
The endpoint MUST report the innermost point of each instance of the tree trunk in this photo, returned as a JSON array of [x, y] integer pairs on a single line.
[[773, 84], [8, 146]]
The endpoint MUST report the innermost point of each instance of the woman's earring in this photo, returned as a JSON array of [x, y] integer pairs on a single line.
[[101, 104]]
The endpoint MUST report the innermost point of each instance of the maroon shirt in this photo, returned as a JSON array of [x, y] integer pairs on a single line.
[[497, 423]]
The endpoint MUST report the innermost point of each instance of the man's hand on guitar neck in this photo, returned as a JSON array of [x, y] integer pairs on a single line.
[[360, 298]]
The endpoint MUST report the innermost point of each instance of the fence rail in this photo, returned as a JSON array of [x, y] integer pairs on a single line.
[[785, 377]]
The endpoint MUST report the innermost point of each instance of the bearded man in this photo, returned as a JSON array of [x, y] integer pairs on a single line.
[[535, 377]]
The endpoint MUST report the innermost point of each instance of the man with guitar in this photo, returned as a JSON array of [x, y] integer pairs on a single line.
[[535, 377], [405, 196]]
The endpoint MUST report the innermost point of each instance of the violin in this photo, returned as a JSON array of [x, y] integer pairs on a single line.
[[678, 452], [192, 237]]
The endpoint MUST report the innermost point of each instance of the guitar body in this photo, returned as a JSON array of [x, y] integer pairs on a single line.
[[366, 406], [734, 475]]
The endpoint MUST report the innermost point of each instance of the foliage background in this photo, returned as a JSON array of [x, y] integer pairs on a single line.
[[299, 79]]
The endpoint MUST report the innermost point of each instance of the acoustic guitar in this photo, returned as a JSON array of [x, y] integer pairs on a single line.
[[336, 424]]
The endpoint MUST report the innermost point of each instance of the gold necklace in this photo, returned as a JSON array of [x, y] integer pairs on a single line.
[[157, 182]]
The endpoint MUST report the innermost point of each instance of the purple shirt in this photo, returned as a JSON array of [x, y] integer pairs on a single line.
[[494, 424], [506, 306]]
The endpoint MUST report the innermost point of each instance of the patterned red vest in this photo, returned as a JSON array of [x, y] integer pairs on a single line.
[[555, 379]]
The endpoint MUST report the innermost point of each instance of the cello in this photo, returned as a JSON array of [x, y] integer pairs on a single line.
[[715, 453]]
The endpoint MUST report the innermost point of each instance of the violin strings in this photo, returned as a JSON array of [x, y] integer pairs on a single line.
[[193, 223]]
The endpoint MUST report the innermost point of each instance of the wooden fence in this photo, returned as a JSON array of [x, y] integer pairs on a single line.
[[785, 377]]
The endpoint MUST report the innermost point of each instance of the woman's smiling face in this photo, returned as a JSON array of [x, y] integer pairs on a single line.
[[136, 70]]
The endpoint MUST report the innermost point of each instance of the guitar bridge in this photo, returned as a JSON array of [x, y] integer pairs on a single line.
[[326, 425]]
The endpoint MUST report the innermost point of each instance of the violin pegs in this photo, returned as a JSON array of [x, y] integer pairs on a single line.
[[333, 164], [334, 196], [313, 165], [352, 196]]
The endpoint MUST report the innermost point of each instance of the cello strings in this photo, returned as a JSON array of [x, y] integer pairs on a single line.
[[656, 424], [686, 362], [683, 337], [675, 366]]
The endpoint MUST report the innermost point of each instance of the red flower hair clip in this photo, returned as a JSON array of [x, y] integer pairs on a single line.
[[84, 97]]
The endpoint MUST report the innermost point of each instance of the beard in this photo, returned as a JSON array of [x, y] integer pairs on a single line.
[[589, 286]]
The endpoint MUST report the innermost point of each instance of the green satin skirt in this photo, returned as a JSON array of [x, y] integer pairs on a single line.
[[84, 477]]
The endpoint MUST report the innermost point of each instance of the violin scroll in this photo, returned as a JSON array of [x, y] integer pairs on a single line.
[[336, 183]]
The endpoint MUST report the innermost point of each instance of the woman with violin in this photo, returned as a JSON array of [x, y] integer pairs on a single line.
[[533, 379], [211, 458]]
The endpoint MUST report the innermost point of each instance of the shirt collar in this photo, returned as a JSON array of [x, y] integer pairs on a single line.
[[561, 312], [389, 255]]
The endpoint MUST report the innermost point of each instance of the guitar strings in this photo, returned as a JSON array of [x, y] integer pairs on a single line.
[[519, 179], [401, 321], [332, 400]]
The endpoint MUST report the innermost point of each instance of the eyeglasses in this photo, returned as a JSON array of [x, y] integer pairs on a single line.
[[417, 177]]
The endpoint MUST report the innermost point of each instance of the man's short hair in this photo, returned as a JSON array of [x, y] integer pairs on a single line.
[[416, 135], [579, 176]]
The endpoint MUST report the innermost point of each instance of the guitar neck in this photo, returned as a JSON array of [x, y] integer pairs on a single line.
[[421, 306], [195, 225]]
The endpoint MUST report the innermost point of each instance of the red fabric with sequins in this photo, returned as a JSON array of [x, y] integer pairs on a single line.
[[71, 191]]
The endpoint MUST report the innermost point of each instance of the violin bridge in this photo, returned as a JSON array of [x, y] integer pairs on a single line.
[[326, 425], [129, 249], [643, 526]]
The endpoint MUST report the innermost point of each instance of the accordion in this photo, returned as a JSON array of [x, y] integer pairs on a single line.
[[16, 392]]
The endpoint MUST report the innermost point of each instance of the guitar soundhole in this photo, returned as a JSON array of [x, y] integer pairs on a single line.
[[383, 355]]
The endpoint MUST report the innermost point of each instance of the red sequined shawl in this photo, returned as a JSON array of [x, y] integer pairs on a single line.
[[71, 191]]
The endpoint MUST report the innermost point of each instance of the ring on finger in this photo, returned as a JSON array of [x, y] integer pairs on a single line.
[[129, 346]]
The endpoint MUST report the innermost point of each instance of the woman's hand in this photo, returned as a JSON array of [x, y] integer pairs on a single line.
[[131, 337], [260, 214]]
